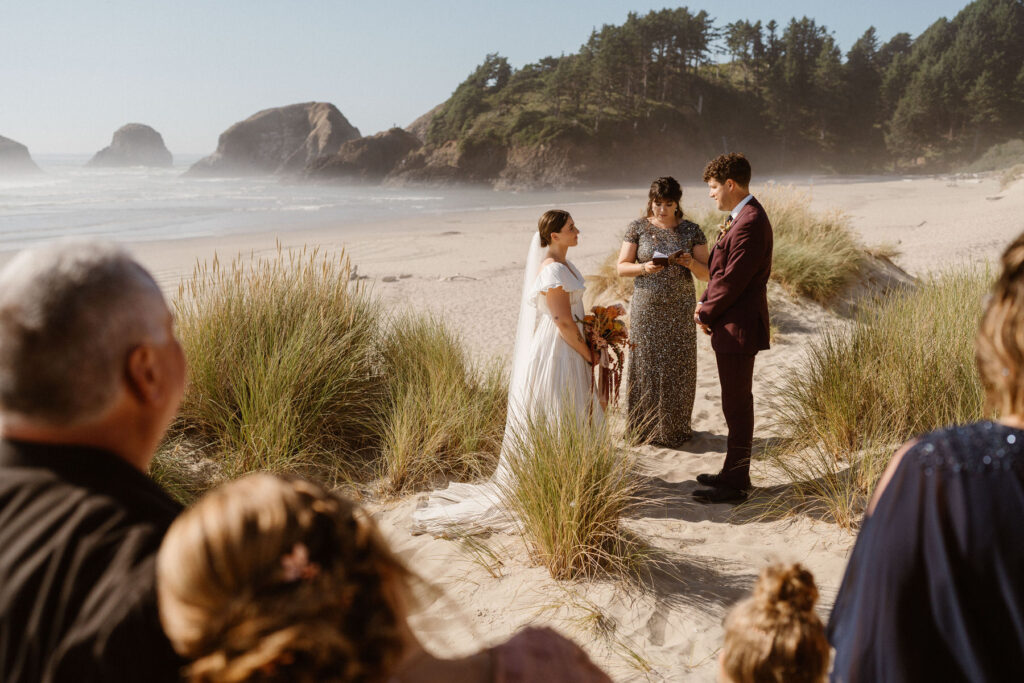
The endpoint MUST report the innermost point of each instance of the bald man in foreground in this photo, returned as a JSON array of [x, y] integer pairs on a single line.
[[91, 375]]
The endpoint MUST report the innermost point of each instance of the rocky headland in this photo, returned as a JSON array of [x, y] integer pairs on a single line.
[[277, 141], [134, 144], [15, 159], [367, 159], [573, 158]]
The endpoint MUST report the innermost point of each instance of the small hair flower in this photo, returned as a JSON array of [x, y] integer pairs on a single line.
[[295, 566]]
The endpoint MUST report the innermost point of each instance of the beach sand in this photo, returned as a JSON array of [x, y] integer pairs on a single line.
[[467, 267]]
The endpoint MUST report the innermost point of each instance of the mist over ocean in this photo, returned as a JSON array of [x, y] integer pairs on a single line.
[[145, 204]]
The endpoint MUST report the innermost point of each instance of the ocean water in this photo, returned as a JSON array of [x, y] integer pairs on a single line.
[[140, 204]]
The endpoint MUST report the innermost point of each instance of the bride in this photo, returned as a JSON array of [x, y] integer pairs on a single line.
[[551, 373]]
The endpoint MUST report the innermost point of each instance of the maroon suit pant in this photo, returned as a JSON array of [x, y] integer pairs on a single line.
[[736, 375]]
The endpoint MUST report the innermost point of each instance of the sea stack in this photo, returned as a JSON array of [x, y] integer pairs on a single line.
[[278, 141], [134, 144], [367, 159], [15, 159]]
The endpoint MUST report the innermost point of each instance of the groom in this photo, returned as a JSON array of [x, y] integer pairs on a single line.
[[734, 311]]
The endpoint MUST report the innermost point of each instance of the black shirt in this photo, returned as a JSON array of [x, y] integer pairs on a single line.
[[934, 590], [79, 532]]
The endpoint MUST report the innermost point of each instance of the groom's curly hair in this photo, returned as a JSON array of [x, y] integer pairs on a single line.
[[732, 166]]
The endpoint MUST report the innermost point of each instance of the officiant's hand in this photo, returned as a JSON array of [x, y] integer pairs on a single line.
[[685, 259], [649, 268]]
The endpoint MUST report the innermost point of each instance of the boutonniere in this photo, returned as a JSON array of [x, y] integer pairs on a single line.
[[724, 227]]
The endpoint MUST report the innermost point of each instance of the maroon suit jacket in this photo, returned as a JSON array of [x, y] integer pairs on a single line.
[[735, 304]]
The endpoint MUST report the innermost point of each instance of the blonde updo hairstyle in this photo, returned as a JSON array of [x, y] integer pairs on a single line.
[[776, 635], [273, 579], [551, 222], [664, 189], [999, 344]]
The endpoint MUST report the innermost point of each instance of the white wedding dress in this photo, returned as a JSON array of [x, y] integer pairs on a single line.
[[548, 377]]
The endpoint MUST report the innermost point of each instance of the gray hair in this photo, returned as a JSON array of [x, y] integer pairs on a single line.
[[70, 313]]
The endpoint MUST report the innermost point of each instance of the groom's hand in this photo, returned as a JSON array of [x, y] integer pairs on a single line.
[[698, 322]]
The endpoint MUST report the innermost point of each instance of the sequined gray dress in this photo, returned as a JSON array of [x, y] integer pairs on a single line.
[[662, 373]]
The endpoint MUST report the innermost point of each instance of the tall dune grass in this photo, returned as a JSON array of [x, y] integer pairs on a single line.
[[569, 490], [815, 253], [283, 372], [294, 368], [905, 366], [444, 415]]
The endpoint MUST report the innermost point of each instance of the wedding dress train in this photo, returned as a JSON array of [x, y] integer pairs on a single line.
[[548, 377]]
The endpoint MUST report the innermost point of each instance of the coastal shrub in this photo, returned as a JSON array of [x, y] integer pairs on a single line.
[[1011, 175], [283, 365], [444, 415], [569, 488], [903, 367], [999, 157]]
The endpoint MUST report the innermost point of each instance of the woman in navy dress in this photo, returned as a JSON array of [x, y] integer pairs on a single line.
[[934, 590]]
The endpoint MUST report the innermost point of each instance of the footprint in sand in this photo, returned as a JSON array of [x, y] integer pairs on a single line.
[[656, 628]]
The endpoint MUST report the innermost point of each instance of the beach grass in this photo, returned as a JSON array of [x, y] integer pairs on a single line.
[[295, 368], [283, 369], [607, 283], [815, 253], [568, 489], [1011, 175], [444, 415], [903, 367]]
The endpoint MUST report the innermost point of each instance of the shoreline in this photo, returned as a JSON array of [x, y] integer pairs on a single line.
[[466, 265]]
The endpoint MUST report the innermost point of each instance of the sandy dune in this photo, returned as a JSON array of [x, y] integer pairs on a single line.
[[467, 267]]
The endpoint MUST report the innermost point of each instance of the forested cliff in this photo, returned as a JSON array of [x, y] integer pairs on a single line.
[[668, 89]]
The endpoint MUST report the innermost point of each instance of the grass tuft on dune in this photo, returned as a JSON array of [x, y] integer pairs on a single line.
[[569, 490], [294, 368], [905, 366], [815, 254], [444, 416]]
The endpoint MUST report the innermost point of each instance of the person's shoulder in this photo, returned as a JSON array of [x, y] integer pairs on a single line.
[[554, 274], [757, 210], [544, 654], [979, 445], [552, 269], [633, 230]]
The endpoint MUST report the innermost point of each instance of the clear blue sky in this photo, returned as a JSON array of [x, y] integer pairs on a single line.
[[73, 71]]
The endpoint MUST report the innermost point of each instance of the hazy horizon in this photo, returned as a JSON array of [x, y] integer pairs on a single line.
[[76, 72]]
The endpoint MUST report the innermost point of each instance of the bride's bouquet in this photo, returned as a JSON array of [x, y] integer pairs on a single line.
[[607, 336]]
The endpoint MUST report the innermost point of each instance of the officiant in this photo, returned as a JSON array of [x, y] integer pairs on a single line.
[[663, 252]]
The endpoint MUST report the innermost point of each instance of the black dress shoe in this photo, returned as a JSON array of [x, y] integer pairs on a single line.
[[720, 494], [710, 480]]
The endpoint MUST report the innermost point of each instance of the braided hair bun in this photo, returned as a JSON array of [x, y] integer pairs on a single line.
[[273, 579]]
